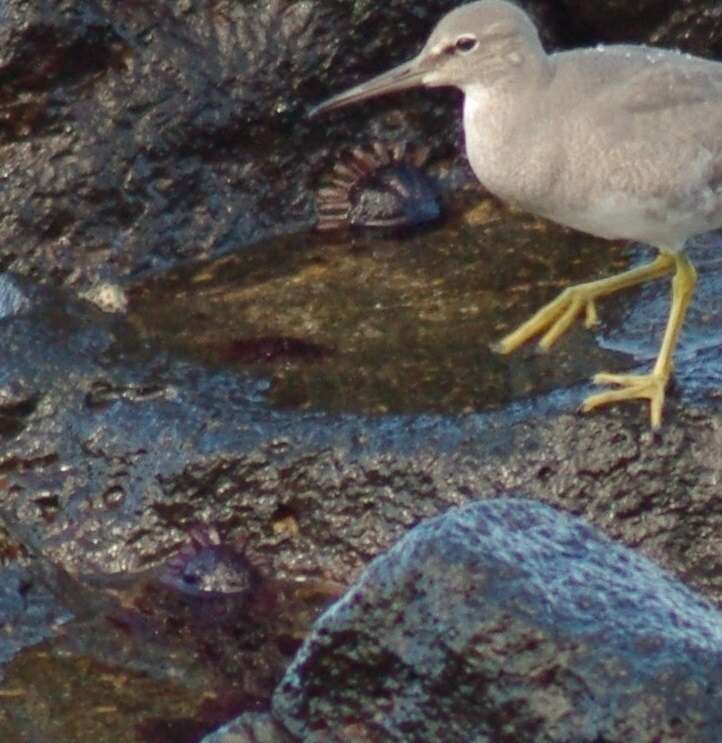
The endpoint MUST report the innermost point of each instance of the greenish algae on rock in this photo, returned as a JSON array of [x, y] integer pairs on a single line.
[[141, 664], [59, 696], [392, 324]]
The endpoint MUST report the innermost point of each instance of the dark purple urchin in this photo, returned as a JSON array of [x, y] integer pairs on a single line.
[[206, 567], [383, 186]]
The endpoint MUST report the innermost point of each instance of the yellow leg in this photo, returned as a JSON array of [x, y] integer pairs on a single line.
[[555, 318], [652, 386]]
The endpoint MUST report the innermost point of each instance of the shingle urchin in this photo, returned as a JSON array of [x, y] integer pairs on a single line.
[[208, 567], [382, 186]]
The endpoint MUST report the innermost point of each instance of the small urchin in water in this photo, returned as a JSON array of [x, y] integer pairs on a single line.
[[382, 186], [207, 567]]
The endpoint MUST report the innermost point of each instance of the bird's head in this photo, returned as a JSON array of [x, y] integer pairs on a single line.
[[479, 43]]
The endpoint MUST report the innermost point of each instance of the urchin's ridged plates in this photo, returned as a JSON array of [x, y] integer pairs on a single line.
[[383, 185]]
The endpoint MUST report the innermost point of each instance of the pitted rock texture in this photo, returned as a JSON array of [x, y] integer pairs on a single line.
[[138, 135], [508, 620]]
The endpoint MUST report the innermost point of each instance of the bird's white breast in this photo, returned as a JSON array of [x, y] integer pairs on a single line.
[[492, 120], [480, 123]]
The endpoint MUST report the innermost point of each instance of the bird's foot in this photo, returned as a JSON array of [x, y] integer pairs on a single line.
[[555, 318], [632, 387]]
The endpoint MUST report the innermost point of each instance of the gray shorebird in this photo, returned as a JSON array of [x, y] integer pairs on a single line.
[[622, 142]]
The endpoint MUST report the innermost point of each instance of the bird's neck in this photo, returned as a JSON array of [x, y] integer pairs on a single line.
[[520, 72], [523, 78], [494, 114]]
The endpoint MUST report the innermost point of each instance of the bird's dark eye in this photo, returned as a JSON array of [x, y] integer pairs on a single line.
[[466, 44]]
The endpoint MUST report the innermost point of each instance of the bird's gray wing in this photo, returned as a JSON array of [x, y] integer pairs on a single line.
[[670, 82]]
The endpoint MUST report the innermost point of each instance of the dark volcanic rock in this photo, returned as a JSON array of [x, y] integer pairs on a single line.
[[136, 135], [612, 20], [29, 612], [12, 299], [692, 25], [510, 621]]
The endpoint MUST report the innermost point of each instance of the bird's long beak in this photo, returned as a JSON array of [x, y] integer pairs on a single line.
[[407, 75]]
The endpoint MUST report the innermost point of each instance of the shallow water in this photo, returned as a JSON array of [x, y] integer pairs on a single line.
[[370, 323], [640, 333]]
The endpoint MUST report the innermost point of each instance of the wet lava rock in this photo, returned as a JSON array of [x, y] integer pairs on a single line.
[[508, 620]]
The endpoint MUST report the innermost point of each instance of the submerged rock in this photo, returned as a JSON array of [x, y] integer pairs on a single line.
[[508, 620]]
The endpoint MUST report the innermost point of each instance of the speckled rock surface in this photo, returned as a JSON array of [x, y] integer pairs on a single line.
[[135, 137], [114, 445], [507, 620]]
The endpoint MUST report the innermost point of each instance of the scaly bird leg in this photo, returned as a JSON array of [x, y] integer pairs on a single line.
[[555, 318], [652, 386]]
